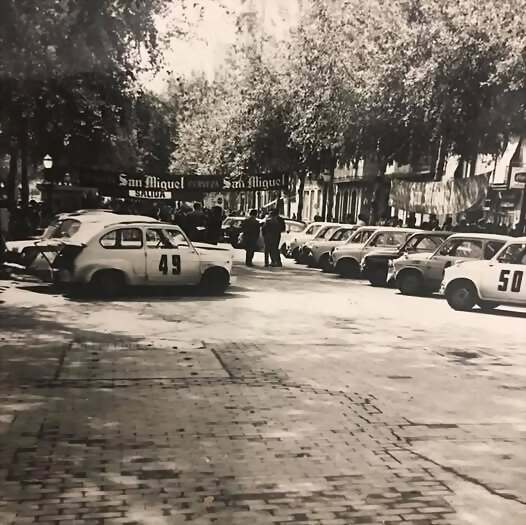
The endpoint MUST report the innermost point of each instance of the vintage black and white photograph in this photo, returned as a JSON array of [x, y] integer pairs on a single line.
[[262, 262]]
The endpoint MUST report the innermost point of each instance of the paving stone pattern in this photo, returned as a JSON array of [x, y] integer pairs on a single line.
[[129, 434]]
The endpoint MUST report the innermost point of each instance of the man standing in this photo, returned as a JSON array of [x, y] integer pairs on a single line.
[[250, 229], [273, 230]]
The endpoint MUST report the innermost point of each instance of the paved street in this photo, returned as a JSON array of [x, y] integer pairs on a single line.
[[298, 397]]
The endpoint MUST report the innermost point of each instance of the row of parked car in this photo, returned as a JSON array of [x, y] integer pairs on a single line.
[[468, 268]]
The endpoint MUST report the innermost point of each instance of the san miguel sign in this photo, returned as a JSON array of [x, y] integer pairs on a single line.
[[172, 187]]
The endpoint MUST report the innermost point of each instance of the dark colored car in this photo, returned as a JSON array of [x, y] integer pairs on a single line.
[[375, 264]]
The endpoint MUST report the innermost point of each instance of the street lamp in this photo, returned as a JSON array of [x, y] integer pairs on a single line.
[[48, 162]]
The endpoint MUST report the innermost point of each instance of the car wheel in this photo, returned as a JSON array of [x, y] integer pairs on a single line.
[[348, 268], [283, 250], [461, 295], [411, 283], [324, 263], [215, 281], [108, 283], [486, 306], [378, 277]]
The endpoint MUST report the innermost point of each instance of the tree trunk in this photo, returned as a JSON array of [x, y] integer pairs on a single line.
[[330, 191], [377, 205], [24, 166], [299, 213], [12, 176]]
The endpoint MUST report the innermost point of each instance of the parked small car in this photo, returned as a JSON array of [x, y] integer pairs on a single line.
[[323, 234], [318, 250], [300, 238], [418, 274], [108, 258], [37, 255], [347, 258], [375, 264], [488, 284]]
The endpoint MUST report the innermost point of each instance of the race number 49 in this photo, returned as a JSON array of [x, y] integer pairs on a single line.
[[515, 280], [176, 264]]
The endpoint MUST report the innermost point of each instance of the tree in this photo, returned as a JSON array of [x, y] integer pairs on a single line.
[[73, 80]]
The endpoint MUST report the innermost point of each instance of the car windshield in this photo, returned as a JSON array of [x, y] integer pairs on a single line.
[[321, 232], [467, 248], [329, 232], [513, 254], [341, 234], [390, 238], [422, 243]]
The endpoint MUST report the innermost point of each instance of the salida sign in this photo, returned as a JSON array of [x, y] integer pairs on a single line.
[[155, 187]]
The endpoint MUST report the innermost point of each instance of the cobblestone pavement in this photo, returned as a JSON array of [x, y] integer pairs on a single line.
[[297, 398]]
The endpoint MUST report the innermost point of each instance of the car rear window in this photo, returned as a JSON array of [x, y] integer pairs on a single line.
[[66, 229], [122, 239], [294, 227]]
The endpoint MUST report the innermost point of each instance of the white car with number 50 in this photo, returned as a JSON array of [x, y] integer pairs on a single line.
[[111, 257], [501, 280]]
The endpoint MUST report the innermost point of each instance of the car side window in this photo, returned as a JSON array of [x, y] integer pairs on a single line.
[[125, 238], [309, 230], [157, 239], [492, 247], [513, 254], [177, 238]]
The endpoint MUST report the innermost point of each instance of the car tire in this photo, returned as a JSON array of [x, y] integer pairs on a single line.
[[215, 281], [462, 295], [108, 284], [283, 250], [378, 277], [411, 283], [487, 306], [325, 263], [348, 268]]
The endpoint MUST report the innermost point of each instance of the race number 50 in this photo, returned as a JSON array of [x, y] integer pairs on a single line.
[[176, 264], [516, 280]]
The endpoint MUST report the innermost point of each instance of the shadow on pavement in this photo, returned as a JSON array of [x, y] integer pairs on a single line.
[[137, 294], [501, 313]]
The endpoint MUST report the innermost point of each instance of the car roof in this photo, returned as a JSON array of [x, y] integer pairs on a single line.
[[492, 236], [517, 239], [92, 227], [396, 229]]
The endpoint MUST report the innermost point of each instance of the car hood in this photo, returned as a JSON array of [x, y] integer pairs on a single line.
[[415, 256], [204, 247], [383, 252]]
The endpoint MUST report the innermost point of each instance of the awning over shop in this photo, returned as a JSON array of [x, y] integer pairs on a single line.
[[441, 198]]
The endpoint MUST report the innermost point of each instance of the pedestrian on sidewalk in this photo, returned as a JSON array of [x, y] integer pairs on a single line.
[[250, 228], [265, 230]]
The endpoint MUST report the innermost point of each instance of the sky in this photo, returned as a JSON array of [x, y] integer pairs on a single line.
[[212, 30]]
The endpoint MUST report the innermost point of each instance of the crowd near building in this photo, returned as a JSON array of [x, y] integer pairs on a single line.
[[485, 194]]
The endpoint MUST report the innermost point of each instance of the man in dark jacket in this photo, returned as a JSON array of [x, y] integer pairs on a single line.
[[274, 227], [250, 229]]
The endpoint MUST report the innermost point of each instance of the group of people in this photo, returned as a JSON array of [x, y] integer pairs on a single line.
[[271, 229]]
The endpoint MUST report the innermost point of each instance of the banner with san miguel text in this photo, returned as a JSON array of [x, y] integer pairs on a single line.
[[173, 187], [441, 198]]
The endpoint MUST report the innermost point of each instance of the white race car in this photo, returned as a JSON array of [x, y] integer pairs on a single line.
[[37, 254], [501, 280], [111, 257]]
